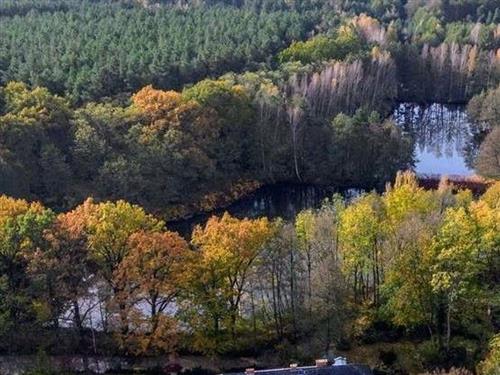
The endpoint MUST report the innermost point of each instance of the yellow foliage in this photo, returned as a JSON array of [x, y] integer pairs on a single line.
[[232, 240], [10, 207], [109, 226], [491, 364], [405, 197], [358, 231], [492, 196]]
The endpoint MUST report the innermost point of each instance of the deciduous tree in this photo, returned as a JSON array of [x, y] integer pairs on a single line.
[[228, 248], [150, 278]]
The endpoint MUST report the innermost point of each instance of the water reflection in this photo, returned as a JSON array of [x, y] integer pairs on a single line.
[[271, 201], [443, 137], [285, 200]]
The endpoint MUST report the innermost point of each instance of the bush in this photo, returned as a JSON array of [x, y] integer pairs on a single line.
[[431, 354], [388, 357], [42, 366]]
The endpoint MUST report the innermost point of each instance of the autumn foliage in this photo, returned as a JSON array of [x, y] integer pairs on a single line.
[[411, 258]]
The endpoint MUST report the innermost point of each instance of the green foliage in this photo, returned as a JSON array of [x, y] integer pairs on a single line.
[[34, 139], [362, 145], [90, 45], [426, 27], [168, 149], [484, 108], [426, 261], [320, 48], [409, 260], [22, 227], [480, 34], [484, 111], [487, 161]]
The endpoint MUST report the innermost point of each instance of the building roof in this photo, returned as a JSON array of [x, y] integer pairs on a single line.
[[349, 369]]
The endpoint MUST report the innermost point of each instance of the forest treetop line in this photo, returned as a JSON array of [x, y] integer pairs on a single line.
[[90, 50]]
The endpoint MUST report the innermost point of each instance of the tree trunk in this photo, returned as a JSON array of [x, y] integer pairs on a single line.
[[448, 326]]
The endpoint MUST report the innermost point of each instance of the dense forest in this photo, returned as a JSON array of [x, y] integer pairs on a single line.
[[89, 50], [119, 116]]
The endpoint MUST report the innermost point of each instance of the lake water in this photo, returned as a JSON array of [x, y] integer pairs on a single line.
[[442, 136], [272, 201]]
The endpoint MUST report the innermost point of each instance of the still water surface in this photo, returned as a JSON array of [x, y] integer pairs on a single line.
[[442, 134]]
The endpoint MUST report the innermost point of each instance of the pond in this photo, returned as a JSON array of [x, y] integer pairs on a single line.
[[443, 137]]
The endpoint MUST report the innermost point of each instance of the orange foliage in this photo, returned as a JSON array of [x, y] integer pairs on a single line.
[[156, 102], [149, 279], [154, 263], [10, 207]]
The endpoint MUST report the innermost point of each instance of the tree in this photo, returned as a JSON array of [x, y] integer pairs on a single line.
[[345, 42], [304, 226], [228, 249], [276, 275], [157, 104], [176, 150], [235, 116], [359, 234], [406, 198], [99, 131], [22, 225], [216, 37], [407, 291], [492, 196], [363, 149], [491, 364], [108, 226], [488, 159], [458, 252], [63, 271], [150, 278], [484, 108], [323, 284], [426, 27], [35, 138], [409, 225]]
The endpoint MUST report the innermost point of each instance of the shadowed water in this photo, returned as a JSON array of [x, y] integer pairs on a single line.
[[272, 201]]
